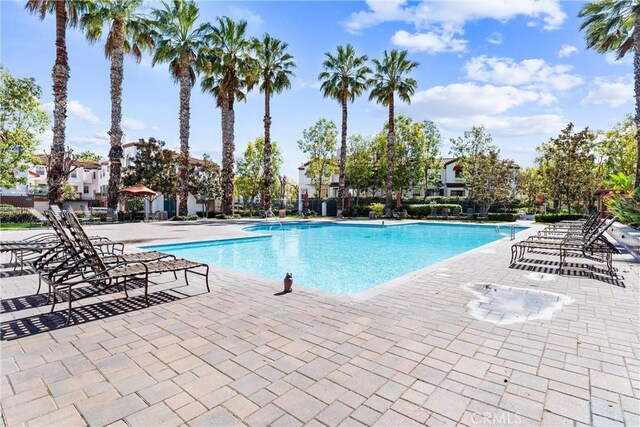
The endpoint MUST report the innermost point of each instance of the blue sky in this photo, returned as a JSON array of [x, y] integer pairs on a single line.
[[520, 68]]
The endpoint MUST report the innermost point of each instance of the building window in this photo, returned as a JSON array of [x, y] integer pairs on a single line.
[[74, 174], [457, 193], [40, 170], [94, 175], [86, 189]]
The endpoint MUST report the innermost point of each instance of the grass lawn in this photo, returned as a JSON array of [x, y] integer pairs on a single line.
[[19, 225]]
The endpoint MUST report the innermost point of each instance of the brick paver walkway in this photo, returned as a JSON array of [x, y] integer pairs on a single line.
[[405, 353]]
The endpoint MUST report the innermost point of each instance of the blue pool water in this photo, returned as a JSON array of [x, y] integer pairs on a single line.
[[340, 258]]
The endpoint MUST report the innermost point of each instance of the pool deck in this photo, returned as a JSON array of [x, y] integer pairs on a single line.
[[404, 353]]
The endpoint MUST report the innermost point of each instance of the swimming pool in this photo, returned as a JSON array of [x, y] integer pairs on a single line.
[[340, 258]]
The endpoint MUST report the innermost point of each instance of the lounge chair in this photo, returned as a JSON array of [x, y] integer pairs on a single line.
[[87, 214], [483, 214], [92, 270], [399, 214], [456, 213], [306, 213], [445, 213], [593, 246], [435, 213], [38, 216]]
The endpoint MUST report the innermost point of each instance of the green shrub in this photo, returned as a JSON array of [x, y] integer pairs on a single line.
[[626, 207], [378, 208], [552, 217], [423, 210], [16, 215], [184, 218], [502, 216]]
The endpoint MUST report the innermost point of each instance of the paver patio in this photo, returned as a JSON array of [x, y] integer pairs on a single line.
[[404, 353]]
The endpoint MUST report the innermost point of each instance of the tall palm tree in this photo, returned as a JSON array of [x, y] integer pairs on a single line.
[[230, 72], [344, 78], [178, 41], [275, 67], [66, 13], [614, 25], [123, 37], [391, 77]]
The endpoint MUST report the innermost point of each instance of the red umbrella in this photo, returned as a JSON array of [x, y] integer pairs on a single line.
[[306, 200], [140, 190], [398, 200], [349, 201]]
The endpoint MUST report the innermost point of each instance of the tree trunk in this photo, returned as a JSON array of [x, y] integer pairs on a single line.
[[183, 168], [343, 154], [267, 153], [636, 72], [115, 133], [391, 143], [228, 148], [60, 75]]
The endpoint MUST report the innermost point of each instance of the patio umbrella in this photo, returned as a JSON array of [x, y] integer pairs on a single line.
[[306, 200], [349, 201], [140, 190], [398, 200]]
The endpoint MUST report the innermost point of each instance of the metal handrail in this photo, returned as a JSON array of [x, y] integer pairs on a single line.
[[512, 231]]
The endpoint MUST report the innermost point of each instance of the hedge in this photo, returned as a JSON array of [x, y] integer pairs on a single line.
[[184, 218], [425, 210], [557, 217], [16, 216], [510, 217]]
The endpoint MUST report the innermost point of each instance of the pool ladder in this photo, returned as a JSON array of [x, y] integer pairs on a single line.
[[270, 213], [512, 231]]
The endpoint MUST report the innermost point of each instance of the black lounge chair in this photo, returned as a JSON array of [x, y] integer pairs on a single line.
[[91, 270], [593, 247], [399, 214]]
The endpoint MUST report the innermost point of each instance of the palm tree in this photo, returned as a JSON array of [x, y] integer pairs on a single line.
[[66, 13], [275, 67], [122, 38], [614, 25], [178, 42], [344, 78], [391, 77], [230, 72]]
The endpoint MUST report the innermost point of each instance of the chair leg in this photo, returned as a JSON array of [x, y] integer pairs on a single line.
[[69, 308], [146, 290], [186, 279], [206, 277], [39, 284]]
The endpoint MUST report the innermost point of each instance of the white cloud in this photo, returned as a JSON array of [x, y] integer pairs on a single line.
[[466, 99], [101, 138], [252, 18], [75, 110], [507, 126], [455, 14], [612, 59], [495, 38], [429, 42], [613, 93], [134, 124], [567, 50], [439, 24], [46, 138], [530, 73], [301, 83]]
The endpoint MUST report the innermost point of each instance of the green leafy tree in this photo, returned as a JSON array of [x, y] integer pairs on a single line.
[[250, 172], [123, 37], [530, 184], [155, 167], [275, 68], [344, 78], [230, 72], [21, 120], [617, 148], [568, 168], [66, 13], [178, 41], [359, 168], [488, 178], [319, 143], [89, 156], [614, 26], [428, 155], [205, 182], [391, 77]]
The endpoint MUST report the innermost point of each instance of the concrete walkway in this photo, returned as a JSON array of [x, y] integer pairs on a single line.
[[410, 352]]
